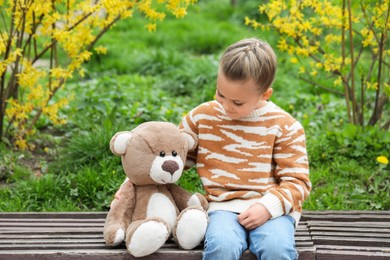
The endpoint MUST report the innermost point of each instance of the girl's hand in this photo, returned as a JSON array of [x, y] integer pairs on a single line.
[[254, 217]]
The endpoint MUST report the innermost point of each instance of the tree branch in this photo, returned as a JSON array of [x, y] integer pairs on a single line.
[[321, 86]]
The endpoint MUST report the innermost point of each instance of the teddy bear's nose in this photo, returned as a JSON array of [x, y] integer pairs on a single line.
[[170, 166]]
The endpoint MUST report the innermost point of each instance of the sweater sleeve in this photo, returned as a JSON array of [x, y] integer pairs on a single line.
[[291, 172]]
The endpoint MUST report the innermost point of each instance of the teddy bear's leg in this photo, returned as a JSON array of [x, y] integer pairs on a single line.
[[144, 237], [190, 227]]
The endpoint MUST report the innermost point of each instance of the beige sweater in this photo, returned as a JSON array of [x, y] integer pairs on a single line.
[[258, 159]]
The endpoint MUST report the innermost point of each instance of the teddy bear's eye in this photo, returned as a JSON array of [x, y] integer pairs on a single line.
[[174, 153], [162, 154]]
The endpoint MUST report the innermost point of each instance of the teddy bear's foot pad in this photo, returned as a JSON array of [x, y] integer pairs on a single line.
[[148, 238], [191, 228]]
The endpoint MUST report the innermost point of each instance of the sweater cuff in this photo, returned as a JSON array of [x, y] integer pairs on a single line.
[[272, 204]]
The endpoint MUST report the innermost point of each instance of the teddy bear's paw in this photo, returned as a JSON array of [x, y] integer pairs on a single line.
[[198, 199], [191, 228], [119, 237], [114, 235], [148, 238], [194, 200]]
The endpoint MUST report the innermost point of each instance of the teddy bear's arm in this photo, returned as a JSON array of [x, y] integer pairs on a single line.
[[120, 214], [185, 199]]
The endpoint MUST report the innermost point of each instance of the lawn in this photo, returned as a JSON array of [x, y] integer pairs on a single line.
[[161, 76]]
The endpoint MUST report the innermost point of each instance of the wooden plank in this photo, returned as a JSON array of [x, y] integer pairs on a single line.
[[357, 241], [50, 230], [49, 236], [350, 229], [342, 234], [343, 216], [47, 224], [354, 248], [350, 255], [52, 220], [115, 254], [55, 215], [311, 213], [97, 254], [377, 224], [26, 241]]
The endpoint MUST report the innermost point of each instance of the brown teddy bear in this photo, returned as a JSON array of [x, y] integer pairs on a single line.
[[152, 207]]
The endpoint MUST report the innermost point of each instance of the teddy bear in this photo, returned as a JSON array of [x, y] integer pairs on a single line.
[[152, 208]]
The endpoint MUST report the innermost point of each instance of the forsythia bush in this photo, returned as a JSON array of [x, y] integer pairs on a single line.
[[31, 30], [345, 40]]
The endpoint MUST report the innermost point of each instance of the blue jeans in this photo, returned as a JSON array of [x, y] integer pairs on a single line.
[[226, 239]]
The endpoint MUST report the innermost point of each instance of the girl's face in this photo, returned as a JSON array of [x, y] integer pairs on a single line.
[[239, 98]]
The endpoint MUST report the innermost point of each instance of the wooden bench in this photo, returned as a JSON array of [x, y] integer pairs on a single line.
[[78, 235]]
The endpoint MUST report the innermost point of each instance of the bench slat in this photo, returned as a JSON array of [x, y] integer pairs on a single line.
[[351, 229], [341, 233], [350, 255]]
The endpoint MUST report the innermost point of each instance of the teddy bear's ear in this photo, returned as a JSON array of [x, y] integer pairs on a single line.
[[192, 140], [119, 142]]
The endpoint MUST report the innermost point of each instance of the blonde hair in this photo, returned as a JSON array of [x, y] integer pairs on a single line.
[[250, 59]]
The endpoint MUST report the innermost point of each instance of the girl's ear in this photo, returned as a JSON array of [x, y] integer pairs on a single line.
[[267, 94], [119, 142]]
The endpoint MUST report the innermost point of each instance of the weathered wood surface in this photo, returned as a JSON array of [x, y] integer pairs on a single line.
[[78, 235]]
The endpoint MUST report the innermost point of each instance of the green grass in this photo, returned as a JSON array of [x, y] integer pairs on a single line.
[[161, 76]]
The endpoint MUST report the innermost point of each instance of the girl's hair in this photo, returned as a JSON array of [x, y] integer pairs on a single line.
[[249, 59]]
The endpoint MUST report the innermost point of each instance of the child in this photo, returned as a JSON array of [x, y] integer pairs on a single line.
[[251, 159]]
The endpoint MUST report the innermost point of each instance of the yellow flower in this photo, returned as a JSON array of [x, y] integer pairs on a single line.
[[101, 50], [21, 144], [247, 21], [338, 82], [294, 60], [282, 45], [373, 86], [382, 159], [180, 12], [151, 27]]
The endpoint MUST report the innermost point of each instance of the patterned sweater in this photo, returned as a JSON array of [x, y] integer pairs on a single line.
[[258, 159]]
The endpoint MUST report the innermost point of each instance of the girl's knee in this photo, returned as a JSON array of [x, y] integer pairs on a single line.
[[274, 240], [275, 248], [224, 247]]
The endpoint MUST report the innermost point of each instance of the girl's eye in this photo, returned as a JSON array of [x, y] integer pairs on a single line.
[[238, 104]]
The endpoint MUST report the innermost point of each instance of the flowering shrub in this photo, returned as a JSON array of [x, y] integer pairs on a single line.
[[51, 30], [344, 40]]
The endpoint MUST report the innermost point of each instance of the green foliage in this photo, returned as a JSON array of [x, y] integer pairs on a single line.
[[122, 102], [346, 184], [350, 142], [10, 170], [190, 181], [161, 76], [89, 187]]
